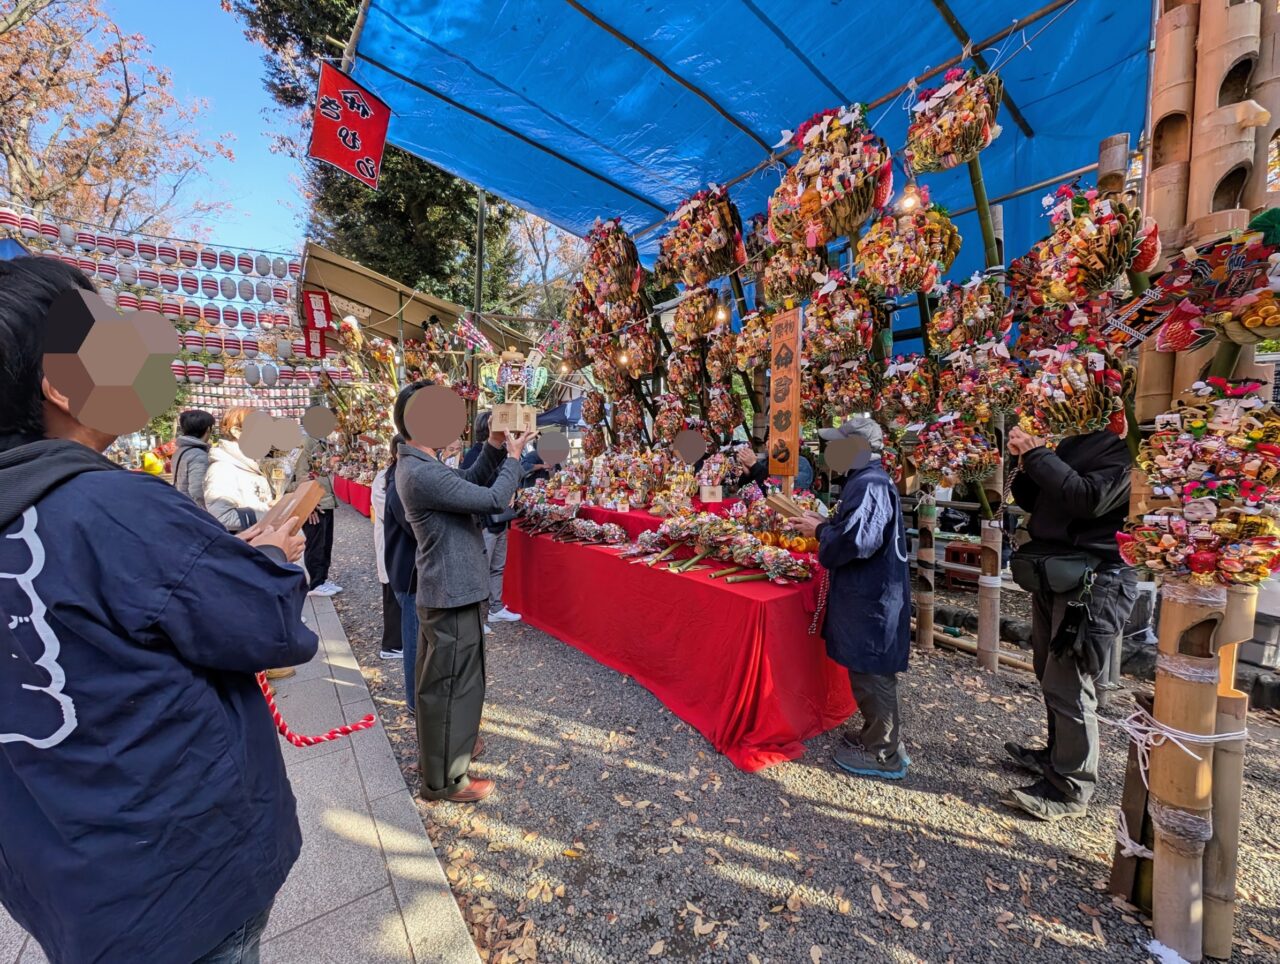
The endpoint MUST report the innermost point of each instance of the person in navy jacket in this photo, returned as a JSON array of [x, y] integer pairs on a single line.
[[146, 811], [867, 626]]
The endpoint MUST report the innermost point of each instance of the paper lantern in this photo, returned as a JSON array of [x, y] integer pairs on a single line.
[[189, 283], [244, 262], [169, 280], [171, 308], [125, 248], [215, 373], [248, 318], [167, 253], [280, 293], [88, 266], [188, 256], [86, 239], [263, 291], [108, 295], [70, 260], [266, 320], [252, 376], [127, 301], [190, 312], [209, 286], [262, 264], [213, 342], [208, 258], [149, 303], [179, 369], [195, 372], [285, 376], [295, 269], [9, 218], [230, 317], [147, 250], [279, 267], [128, 274], [300, 347], [231, 345], [66, 235], [148, 277], [227, 288], [270, 373], [49, 231], [30, 227], [226, 261], [245, 289], [249, 345], [107, 270], [211, 314]]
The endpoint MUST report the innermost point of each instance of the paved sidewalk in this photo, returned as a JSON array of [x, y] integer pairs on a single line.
[[368, 887]]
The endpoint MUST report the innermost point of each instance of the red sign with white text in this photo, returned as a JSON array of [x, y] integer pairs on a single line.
[[349, 129], [318, 320]]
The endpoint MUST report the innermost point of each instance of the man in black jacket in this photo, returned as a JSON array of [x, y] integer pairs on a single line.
[[1078, 497]]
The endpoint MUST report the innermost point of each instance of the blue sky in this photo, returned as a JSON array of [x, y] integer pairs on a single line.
[[206, 52]]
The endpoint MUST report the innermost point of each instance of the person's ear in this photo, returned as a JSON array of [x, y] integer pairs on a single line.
[[55, 398]]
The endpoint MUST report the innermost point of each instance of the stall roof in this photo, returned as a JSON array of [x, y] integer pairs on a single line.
[[578, 110]]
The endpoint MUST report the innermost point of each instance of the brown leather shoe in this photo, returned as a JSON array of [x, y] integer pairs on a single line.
[[283, 673], [475, 791], [478, 750]]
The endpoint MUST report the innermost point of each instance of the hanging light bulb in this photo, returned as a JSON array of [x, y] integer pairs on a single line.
[[564, 367], [622, 358], [910, 199], [722, 313]]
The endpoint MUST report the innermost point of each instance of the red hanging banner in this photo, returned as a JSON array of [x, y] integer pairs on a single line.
[[349, 129], [317, 320]]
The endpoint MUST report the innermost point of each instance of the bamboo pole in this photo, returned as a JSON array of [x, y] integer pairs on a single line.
[[926, 568], [964, 646], [991, 252], [1181, 785], [1221, 853], [989, 594]]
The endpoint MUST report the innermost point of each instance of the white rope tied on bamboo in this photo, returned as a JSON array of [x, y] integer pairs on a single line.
[[1193, 669], [1187, 831], [1146, 732], [1128, 846]]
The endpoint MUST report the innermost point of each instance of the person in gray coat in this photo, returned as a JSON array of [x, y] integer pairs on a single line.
[[442, 505], [192, 458]]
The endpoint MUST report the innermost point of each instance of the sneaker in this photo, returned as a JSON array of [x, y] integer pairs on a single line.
[[853, 738], [321, 590], [1044, 801], [864, 764], [333, 587], [488, 630], [1031, 760], [391, 654], [504, 615]]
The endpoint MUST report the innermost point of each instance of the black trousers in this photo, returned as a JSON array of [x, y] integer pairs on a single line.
[[319, 547], [450, 695], [391, 638], [877, 697]]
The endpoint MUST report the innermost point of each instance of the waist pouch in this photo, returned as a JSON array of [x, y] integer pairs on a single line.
[[1037, 567]]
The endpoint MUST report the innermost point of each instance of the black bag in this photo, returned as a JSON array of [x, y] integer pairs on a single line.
[[1037, 567]]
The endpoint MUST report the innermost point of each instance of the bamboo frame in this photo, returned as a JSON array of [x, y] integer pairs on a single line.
[[926, 569]]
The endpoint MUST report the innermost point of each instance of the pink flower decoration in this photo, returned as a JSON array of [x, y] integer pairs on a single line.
[[954, 74]]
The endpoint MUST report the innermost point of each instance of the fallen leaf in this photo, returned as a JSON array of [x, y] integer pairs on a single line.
[[795, 904], [571, 853], [1004, 917], [919, 898], [702, 928], [658, 948], [1269, 941], [1097, 930], [815, 954], [844, 906], [877, 898], [1091, 911]]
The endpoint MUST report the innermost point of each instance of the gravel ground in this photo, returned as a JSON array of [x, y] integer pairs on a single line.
[[617, 834]]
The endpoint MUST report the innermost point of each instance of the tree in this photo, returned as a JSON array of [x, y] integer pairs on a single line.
[[551, 260], [419, 226], [91, 129]]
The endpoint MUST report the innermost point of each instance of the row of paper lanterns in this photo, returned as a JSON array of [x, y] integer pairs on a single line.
[[150, 249], [266, 374], [226, 316], [226, 343], [208, 286]]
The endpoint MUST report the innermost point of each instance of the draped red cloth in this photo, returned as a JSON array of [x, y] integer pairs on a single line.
[[736, 661], [640, 520], [356, 494]]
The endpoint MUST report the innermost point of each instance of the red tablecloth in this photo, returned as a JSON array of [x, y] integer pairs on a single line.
[[733, 660], [356, 494], [640, 520]]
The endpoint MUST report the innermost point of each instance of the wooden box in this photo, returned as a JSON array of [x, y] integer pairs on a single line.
[[513, 417], [711, 493]]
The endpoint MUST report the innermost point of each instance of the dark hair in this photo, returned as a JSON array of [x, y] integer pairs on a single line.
[[480, 428], [28, 286], [195, 422], [395, 449], [402, 401]]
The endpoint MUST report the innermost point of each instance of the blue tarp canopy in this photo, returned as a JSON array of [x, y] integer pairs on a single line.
[[578, 109], [568, 414], [10, 249]]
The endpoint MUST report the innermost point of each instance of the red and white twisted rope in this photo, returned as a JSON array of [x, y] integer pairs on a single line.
[[298, 739]]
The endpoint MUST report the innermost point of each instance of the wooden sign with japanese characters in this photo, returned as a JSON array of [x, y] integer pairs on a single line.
[[349, 127], [784, 394]]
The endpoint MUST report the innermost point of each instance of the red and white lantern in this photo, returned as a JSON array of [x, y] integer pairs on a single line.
[[244, 262], [230, 317], [226, 260], [190, 312], [286, 375], [148, 277], [195, 372], [125, 248], [169, 280], [189, 283], [208, 258], [86, 239], [107, 270], [211, 314], [171, 308], [245, 289], [167, 253], [280, 294], [9, 218], [30, 227], [129, 274], [209, 286], [231, 345], [249, 318], [213, 342], [188, 256], [49, 231], [147, 250], [249, 345], [67, 236], [149, 303], [295, 269], [227, 287], [179, 369], [127, 301], [266, 320], [191, 340], [70, 260], [262, 291], [299, 347], [88, 266], [106, 244], [215, 373]]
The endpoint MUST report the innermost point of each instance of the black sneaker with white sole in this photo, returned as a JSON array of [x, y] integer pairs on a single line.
[[391, 654], [1046, 802], [1031, 760]]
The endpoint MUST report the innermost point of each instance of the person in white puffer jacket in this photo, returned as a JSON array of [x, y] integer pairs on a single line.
[[236, 492]]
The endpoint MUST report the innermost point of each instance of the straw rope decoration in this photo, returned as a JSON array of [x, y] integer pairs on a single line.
[[297, 739]]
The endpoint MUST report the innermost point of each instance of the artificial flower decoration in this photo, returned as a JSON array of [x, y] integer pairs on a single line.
[[908, 391], [974, 313], [751, 344], [843, 174], [980, 382], [705, 241], [791, 273], [951, 124], [951, 449], [1079, 388], [908, 251]]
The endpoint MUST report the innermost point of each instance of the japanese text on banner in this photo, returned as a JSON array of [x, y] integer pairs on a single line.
[[784, 394], [349, 127]]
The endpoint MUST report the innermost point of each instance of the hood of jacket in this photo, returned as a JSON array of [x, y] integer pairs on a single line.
[[29, 472], [188, 442], [228, 451]]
